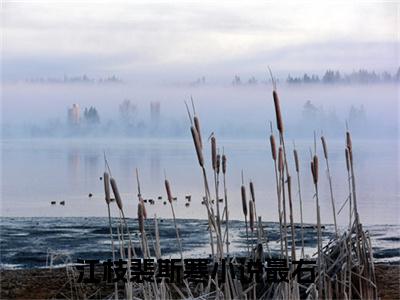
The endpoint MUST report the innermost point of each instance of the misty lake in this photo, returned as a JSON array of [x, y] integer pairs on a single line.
[[38, 171]]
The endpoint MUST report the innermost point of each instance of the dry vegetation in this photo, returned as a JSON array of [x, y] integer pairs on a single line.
[[345, 269]]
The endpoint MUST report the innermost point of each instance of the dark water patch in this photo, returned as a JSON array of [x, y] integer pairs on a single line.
[[386, 253], [25, 241]]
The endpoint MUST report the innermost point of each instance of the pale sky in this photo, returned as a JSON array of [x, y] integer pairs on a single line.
[[180, 39]]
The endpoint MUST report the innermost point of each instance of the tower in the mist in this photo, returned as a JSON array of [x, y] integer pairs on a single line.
[[74, 115]]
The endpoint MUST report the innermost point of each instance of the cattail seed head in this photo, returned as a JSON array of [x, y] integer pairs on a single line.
[[197, 145], [168, 189], [244, 204], [218, 163], [224, 163], [140, 217], [251, 214], [280, 160], [273, 146], [312, 170], [279, 121], [289, 184], [315, 165], [253, 196], [350, 156], [347, 159], [296, 160], [214, 153], [348, 141], [144, 207], [197, 126], [106, 179], [325, 147], [116, 193]]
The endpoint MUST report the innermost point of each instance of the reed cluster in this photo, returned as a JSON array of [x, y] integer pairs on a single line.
[[345, 268]]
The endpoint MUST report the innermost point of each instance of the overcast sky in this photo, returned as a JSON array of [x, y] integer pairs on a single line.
[[178, 40]]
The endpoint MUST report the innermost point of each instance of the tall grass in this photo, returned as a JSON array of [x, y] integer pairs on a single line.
[[344, 264]]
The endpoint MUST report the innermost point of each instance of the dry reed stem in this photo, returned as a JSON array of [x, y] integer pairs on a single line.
[[325, 148], [280, 160], [315, 171], [251, 215], [273, 146], [197, 126], [214, 153], [168, 189], [244, 201], [144, 208], [224, 161], [197, 145], [348, 141], [278, 189], [297, 165], [296, 160], [106, 179], [140, 218], [117, 196], [253, 197], [279, 121], [289, 184], [282, 185], [244, 207], [347, 159]]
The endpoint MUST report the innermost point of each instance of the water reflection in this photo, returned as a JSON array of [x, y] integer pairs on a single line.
[[70, 170]]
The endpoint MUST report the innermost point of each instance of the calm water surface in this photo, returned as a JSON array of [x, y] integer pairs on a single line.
[[38, 171]]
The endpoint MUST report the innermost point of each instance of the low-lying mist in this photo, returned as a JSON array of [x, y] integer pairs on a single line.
[[123, 109]]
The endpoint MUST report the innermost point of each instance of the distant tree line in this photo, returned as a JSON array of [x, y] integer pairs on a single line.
[[75, 79], [330, 77], [360, 76]]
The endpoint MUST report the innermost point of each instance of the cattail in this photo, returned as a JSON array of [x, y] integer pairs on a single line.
[[197, 126], [273, 146], [223, 163], [144, 207], [106, 179], [350, 156], [214, 153], [296, 160], [116, 193], [197, 145], [253, 197], [289, 184], [280, 160], [315, 165], [347, 159], [218, 162], [324, 147], [244, 204], [348, 141], [251, 215], [168, 189], [279, 122], [312, 170], [140, 217]]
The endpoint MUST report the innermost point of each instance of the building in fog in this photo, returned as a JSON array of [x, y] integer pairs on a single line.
[[155, 112], [74, 117]]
